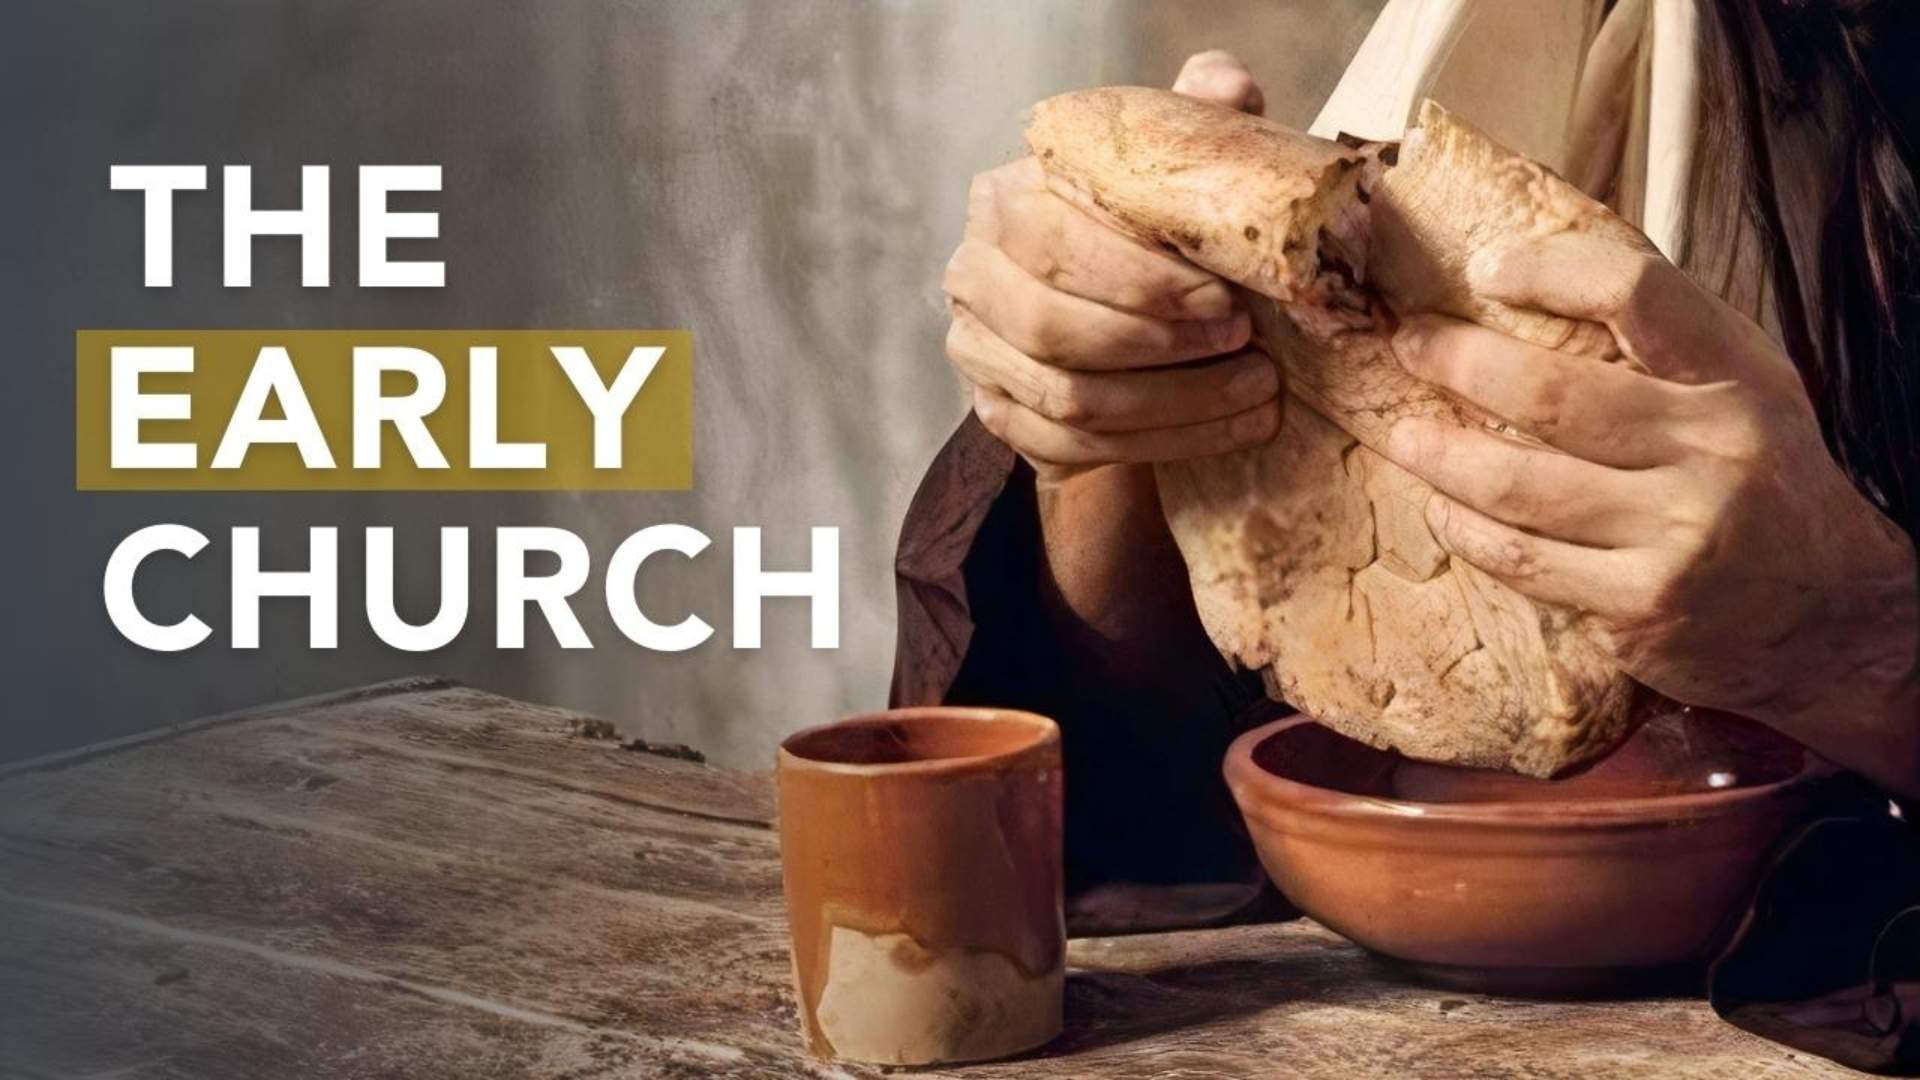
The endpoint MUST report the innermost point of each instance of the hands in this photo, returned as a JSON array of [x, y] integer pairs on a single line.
[[1085, 347], [1093, 355], [1694, 510]]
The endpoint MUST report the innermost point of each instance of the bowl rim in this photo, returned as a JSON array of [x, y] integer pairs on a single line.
[[1241, 771]]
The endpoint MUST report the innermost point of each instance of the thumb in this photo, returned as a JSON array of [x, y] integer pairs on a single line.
[[1218, 76]]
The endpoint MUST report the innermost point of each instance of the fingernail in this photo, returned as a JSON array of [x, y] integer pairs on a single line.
[[1255, 425], [1228, 333], [1257, 383]]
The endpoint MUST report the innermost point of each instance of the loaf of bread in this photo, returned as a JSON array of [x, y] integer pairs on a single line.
[[1310, 558]]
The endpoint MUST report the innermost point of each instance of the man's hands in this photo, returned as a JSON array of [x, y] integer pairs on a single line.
[[1085, 347], [1694, 510], [1093, 355]]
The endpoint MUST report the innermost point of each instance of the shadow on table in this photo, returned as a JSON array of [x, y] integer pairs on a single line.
[[1112, 1008]]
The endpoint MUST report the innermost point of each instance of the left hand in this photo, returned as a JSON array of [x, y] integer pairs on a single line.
[[1694, 511]]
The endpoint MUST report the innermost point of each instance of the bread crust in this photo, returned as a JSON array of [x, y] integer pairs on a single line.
[[1310, 557]]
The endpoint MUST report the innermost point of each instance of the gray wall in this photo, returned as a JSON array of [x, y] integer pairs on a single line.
[[785, 177]]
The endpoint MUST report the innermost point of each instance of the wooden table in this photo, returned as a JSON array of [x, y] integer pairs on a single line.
[[424, 880]]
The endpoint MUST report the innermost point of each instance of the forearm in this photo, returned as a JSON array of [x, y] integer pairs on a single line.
[[1876, 734], [1114, 583], [995, 610], [1855, 694]]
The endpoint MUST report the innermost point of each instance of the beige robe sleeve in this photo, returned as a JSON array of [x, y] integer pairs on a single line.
[[1511, 67], [1613, 106]]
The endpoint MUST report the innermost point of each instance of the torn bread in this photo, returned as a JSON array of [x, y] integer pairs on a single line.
[[1310, 557]]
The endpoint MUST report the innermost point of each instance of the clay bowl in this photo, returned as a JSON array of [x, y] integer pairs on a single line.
[[1625, 878]]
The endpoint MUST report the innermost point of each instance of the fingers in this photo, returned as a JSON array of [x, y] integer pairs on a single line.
[[1574, 274], [1525, 486], [1659, 316], [1087, 347], [1047, 441], [1061, 246], [1551, 570], [1604, 412], [1218, 76], [1069, 331], [1112, 401]]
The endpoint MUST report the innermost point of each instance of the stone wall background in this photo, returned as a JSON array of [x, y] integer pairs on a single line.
[[785, 177]]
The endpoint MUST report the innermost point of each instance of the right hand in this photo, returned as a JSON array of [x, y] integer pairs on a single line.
[[1084, 346]]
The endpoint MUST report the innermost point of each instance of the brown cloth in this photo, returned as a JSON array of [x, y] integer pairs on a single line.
[[1827, 959]]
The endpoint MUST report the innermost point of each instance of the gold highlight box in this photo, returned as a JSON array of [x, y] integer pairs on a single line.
[[537, 383]]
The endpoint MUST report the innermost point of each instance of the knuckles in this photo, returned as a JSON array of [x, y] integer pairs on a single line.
[[1502, 551], [1413, 445], [992, 188], [1509, 555], [980, 193], [1514, 492], [1426, 350], [1638, 301], [1070, 400], [957, 279], [1520, 560], [1647, 279], [1633, 289], [1045, 338]]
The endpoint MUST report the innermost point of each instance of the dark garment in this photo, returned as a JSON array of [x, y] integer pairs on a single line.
[[1828, 957], [1827, 960], [1152, 837]]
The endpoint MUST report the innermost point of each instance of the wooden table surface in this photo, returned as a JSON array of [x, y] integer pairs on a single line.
[[424, 880]]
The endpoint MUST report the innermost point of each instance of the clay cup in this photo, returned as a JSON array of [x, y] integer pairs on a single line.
[[921, 855]]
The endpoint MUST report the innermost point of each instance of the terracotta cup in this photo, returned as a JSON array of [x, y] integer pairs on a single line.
[[921, 855]]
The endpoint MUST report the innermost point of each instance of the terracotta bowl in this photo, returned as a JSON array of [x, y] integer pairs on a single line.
[[1625, 877]]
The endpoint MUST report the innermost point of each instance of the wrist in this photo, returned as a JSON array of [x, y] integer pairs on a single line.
[[1104, 536], [1856, 697], [1113, 581]]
